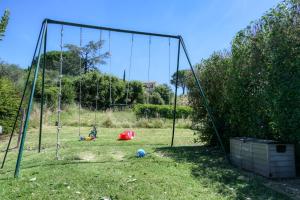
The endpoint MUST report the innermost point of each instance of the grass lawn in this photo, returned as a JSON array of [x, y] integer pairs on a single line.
[[108, 168]]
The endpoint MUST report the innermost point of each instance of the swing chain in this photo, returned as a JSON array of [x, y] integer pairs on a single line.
[[59, 94], [80, 83], [130, 66], [110, 70]]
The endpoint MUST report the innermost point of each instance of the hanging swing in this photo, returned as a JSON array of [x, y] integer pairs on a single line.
[[169, 63], [129, 71], [113, 105], [93, 133]]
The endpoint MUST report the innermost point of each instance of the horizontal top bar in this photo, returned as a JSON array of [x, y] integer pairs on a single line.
[[50, 21]]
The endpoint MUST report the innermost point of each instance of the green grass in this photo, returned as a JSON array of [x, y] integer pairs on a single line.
[[107, 167]]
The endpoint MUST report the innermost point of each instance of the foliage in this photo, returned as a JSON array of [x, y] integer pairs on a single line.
[[71, 62], [212, 73], [12, 72], [9, 102], [155, 98], [89, 82], [52, 89], [108, 122], [89, 55], [4, 23], [164, 111], [68, 90], [182, 79], [254, 90], [119, 90], [165, 93], [135, 92]]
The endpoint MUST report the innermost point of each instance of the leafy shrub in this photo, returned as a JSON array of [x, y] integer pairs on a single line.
[[9, 103], [108, 123], [155, 98], [68, 91], [142, 123], [118, 90], [157, 123], [165, 92], [164, 111], [254, 90], [152, 123]]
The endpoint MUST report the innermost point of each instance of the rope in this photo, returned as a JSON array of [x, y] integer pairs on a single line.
[[97, 85], [59, 94], [130, 65], [110, 71], [149, 65], [80, 84], [170, 96]]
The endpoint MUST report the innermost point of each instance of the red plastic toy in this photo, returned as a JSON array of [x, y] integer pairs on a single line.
[[126, 135]]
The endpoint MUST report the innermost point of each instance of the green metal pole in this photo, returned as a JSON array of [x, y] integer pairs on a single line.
[[17, 169], [202, 94], [43, 88], [175, 100], [50, 21], [23, 97]]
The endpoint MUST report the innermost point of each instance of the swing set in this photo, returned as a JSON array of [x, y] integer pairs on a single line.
[[41, 45]]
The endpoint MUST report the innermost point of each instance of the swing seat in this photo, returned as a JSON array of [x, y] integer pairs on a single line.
[[88, 138], [126, 135]]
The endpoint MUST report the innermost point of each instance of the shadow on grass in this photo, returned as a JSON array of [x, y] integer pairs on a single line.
[[213, 171], [59, 163]]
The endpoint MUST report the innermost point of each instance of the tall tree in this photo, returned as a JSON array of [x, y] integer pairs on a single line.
[[3, 23], [165, 92], [70, 62], [89, 54], [182, 79]]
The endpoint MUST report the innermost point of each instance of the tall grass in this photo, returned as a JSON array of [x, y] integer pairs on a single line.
[[107, 119]]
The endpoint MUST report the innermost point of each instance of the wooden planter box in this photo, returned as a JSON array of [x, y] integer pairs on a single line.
[[265, 157]]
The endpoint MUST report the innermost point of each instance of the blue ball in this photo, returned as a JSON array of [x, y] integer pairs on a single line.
[[140, 153]]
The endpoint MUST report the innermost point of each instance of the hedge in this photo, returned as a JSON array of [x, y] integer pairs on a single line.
[[9, 102], [253, 88], [164, 111]]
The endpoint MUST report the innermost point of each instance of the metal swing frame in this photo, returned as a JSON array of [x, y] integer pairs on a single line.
[[42, 44]]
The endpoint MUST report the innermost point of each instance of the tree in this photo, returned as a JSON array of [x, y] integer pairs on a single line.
[[71, 64], [213, 76], [4, 23], [11, 71], [136, 92], [254, 90], [182, 79], [155, 98], [165, 92], [9, 103], [89, 55]]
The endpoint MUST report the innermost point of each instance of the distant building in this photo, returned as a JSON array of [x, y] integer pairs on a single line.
[[150, 86]]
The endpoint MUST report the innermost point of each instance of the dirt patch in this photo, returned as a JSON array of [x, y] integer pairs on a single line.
[[86, 156], [118, 155]]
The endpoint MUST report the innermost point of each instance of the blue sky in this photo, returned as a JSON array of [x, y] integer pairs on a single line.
[[206, 26]]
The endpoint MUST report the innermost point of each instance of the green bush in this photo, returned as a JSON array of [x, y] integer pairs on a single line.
[[108, 122], [163, 111], [152, 123], [118, 90], [253, 90], [9, 103], [51, 90], [155, 98]]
